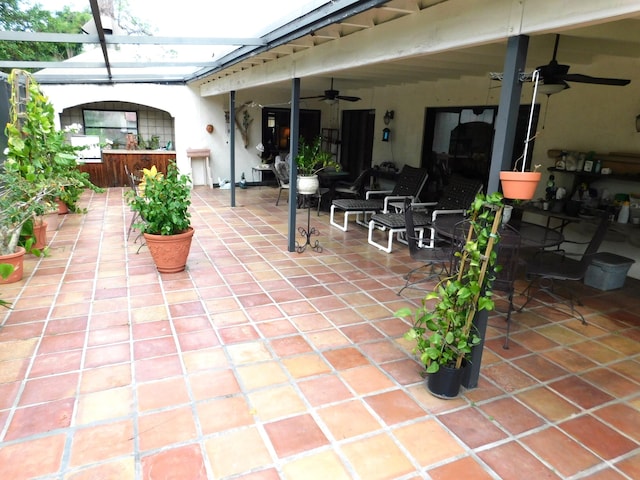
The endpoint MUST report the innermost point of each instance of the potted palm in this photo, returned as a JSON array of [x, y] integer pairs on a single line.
[[444, 332], [163, 208], [310, 160]]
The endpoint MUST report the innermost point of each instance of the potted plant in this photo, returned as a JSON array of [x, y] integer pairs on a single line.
[[163, 208], [310, 160], [444, 331], [522, 184], [20, 202]]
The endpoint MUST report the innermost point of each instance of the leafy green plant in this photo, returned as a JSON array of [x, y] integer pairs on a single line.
[[38, 151], [20, 202], [311, 158], [164, 204], [443, 331], [28, 239]]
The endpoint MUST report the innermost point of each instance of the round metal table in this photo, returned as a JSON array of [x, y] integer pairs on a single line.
[[531, 235]]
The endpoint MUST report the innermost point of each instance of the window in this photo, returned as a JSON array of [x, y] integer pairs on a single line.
[[110, 125]]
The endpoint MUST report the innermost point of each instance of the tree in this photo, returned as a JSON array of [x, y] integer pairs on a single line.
[[14, 17]]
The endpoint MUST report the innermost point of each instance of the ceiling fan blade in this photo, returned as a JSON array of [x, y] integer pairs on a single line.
[[579, 78], [348, 98], [318, 97]]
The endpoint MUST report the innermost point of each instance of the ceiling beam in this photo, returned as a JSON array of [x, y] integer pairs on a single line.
[[124, 39], [68, 65]]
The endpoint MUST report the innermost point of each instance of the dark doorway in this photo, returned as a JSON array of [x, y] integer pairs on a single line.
[[356, 146], [276, 132], [460, 140]]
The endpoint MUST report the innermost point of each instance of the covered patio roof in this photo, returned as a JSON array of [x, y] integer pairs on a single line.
[[362, 44]]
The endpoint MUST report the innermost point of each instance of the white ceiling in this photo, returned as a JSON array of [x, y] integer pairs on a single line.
[[578, 47]]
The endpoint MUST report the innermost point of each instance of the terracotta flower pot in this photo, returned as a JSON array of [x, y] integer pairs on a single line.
[[40, 235], [63, 209], [17, 260], [170, 252], [519, 185]]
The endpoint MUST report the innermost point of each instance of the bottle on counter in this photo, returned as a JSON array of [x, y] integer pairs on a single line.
[[597, 167], [623, 215]]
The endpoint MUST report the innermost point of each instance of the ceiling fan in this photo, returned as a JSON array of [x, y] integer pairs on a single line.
[[555, 73], [332, 95]]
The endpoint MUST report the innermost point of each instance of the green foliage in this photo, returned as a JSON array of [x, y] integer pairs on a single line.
[[5, 270], [443, 330], [40, 153], [164, 204], [34, 19], [27, 240], [311, 158]]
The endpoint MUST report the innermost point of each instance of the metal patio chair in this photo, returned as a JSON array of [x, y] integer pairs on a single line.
[[455, 199], [408, 185]]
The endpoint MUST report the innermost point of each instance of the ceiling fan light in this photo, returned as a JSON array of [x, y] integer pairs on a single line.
[[551, 88], [330, 101]]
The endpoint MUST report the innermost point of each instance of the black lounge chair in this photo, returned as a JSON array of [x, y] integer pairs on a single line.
[[456, 198], [408, 185]]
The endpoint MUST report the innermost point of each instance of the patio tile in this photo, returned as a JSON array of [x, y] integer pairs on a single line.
[[471, 427], [121, 468], [276, 402], [104, 405], [212, 384], [223, 414], [38, 457], [294, 435], [165, 428], [324, 389], [510, 460], [227, 453], [556, 448], [348, 419], [395, 407], [580, 392], [261, 375], [306, 365], [162, 393], [428, 442], [511, 415], [366, 379], [595, 435], [292, 345], [102, 442], [181, 462], [36, 420], [344, 358], [377, 457], [464, 468], [548, 404], [621, 417], [318, 466], [47, 389]]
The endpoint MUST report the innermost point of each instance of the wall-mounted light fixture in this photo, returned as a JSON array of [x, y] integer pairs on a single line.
[[386, 133], [388, 116]]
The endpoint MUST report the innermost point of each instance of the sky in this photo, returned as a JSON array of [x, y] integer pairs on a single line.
[[211, 18]]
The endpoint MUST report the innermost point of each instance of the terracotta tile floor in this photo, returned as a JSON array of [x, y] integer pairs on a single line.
[[258, 363]]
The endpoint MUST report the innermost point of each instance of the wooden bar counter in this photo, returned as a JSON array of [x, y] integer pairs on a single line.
[[111, 172]]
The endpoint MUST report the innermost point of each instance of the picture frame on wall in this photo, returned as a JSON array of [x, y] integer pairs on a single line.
[[588, 166]]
